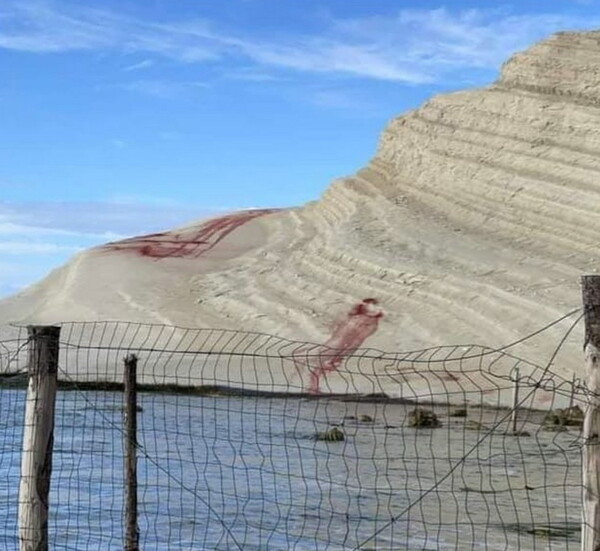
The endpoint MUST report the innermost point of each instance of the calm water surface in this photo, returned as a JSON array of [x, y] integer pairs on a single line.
[[247, 473]]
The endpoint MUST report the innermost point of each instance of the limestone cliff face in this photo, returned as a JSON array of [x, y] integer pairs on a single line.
[[565, 65], [473, 223]]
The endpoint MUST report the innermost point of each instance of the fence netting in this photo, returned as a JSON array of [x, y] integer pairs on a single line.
[[247, 441]]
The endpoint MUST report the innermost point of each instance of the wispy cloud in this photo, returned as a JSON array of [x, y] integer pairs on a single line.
[[43, 26], [96, 220], [252, 74], [26, 247], [413, 46], [145, 64], [30, 231]]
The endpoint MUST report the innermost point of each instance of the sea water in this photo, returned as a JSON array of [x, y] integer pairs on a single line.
[[247, 472]]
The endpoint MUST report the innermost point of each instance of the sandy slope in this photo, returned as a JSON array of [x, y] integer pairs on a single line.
[[472, 223]]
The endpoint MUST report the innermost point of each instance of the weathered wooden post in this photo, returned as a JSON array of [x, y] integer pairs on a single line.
[[38, 437], [590, 530], [132, 534], [514, 417]]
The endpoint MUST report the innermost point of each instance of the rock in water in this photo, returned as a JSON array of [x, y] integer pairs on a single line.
[[472, 223], [423, 418], [567, 417], [334, 434]]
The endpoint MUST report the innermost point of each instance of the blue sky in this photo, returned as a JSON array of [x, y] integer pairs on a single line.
[[130, 116]]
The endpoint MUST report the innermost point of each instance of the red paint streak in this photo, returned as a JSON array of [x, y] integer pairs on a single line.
[[349, 334], [547, 398], [188, 243]]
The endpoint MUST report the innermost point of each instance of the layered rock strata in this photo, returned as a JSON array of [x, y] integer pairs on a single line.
[[472, 224]]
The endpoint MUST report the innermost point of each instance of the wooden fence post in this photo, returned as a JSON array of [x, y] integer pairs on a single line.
[[572, 395], [590, 530], [38, 437], [132, 534], [514, 417]]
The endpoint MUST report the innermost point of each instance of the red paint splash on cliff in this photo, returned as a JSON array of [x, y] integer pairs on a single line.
[[187, 243], [349, 334]]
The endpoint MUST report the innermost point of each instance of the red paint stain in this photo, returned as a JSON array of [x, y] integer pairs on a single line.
[[188, 243], [349, 334], [547, 398]]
